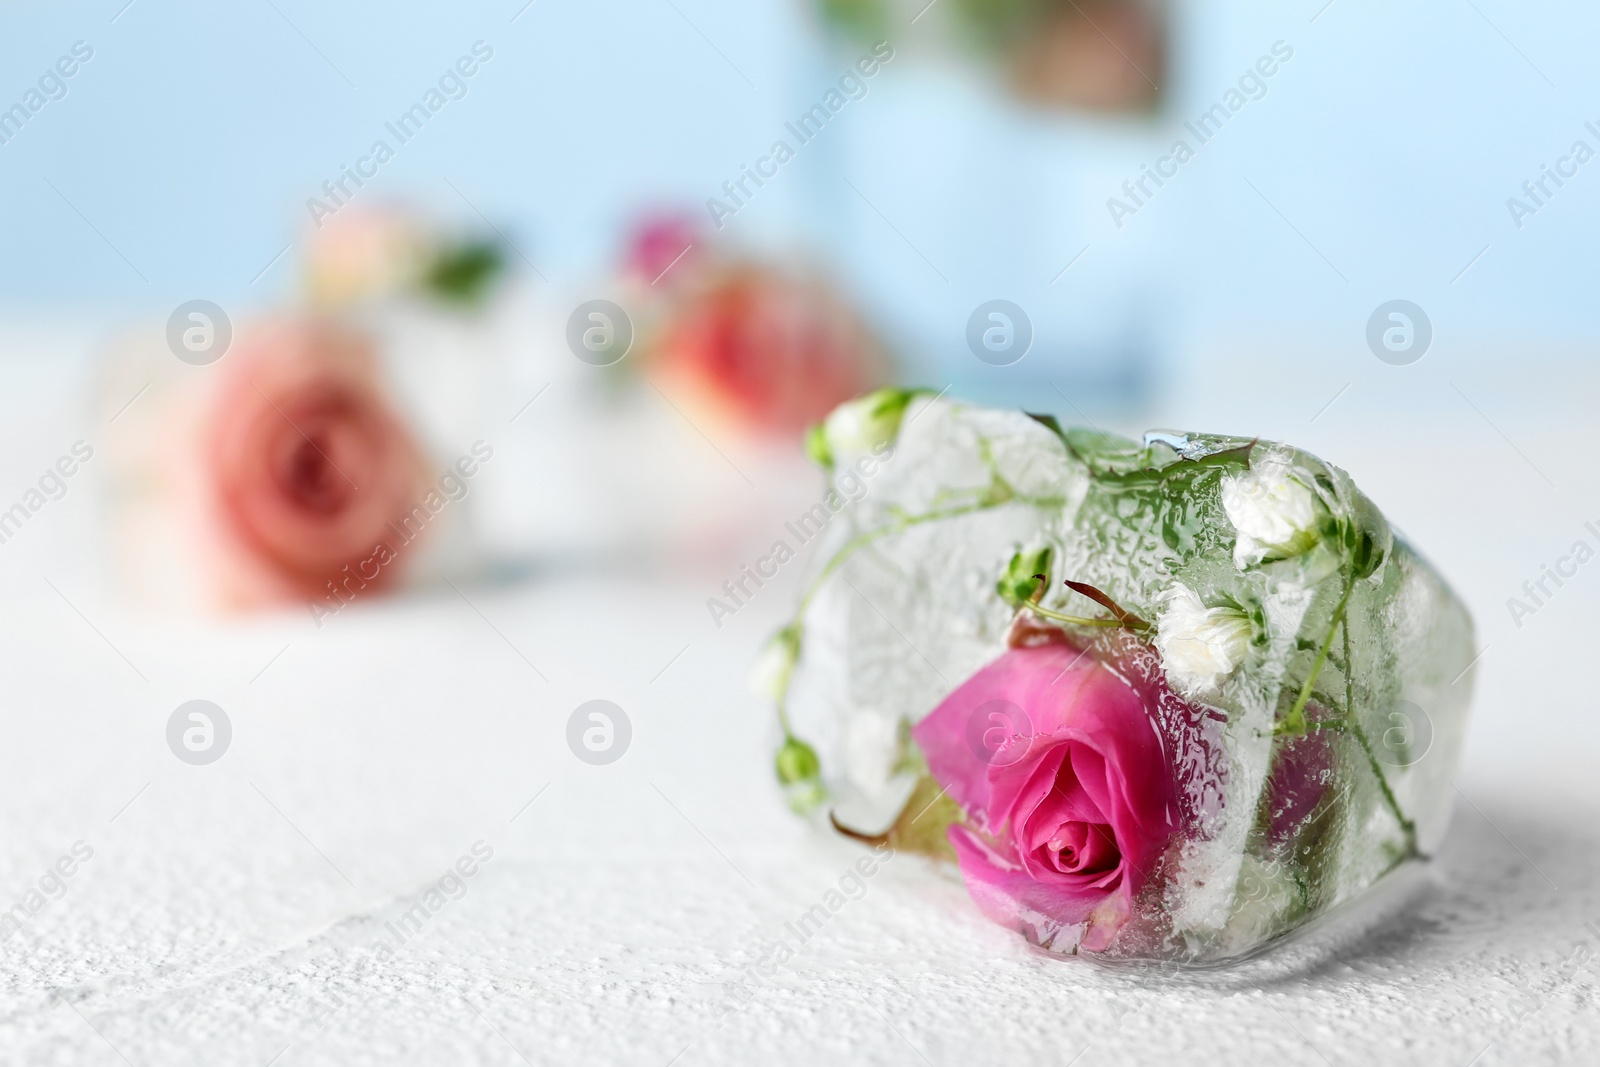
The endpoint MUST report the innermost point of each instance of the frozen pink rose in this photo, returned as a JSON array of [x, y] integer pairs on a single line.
[[1059, 766], [307, 470]]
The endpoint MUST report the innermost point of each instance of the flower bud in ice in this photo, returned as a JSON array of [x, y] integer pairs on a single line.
[[1021, 580], [1200, 646], [797, 762], [1275, 513], [800, 772], [769, 676], [865, 424]]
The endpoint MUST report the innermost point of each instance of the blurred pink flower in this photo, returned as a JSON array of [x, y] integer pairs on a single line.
[[762, 349], [661, 245], [765, 351], [306, 467]]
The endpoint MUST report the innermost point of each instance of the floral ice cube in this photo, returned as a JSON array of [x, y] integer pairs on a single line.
[[1165, 700]]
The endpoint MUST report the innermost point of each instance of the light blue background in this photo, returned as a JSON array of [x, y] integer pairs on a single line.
[[1390, 142]]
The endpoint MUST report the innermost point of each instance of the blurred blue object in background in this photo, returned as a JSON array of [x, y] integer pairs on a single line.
[[178, 162]]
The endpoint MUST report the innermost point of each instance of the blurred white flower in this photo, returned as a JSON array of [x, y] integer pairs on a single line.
[[1275, 513], [1199, 646]]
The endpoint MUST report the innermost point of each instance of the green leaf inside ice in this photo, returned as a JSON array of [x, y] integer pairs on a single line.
[[1020, 582]]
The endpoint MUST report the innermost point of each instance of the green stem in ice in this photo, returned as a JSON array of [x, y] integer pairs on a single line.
[[1295, 721], [783, 712], [998, 493], [1407, 826], [848, 549], [861, 540], [1075, 620]]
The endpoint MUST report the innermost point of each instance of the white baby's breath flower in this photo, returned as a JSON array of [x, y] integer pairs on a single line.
[[1200, 646], [769, 674], [856, 426], [1275, 513]]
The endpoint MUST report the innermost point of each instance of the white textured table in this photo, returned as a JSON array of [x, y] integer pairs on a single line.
[[228, 912]]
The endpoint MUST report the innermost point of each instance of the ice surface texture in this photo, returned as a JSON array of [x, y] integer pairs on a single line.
[[1304, 673]]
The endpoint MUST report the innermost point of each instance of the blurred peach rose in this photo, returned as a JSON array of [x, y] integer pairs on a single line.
[[376, 255], [307, 473], [364, 253]]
